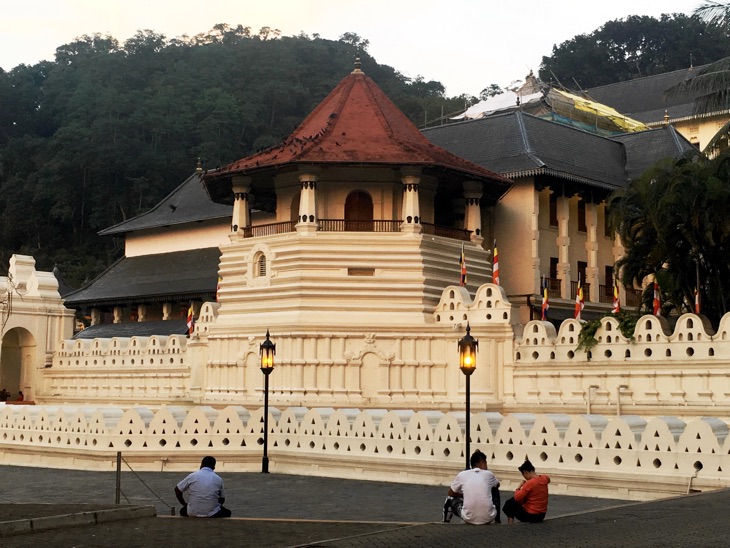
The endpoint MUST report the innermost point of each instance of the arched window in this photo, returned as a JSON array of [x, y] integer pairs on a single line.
[[260, 266], [359, 212]]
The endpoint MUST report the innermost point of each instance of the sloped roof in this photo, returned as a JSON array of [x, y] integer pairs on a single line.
[[356, 124], [643, 98], [646, 148], [517, 144], [180, 275], [187, 203], [162, 328]]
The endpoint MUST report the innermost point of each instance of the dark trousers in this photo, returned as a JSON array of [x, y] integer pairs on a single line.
[[513, 509], [222, 513]]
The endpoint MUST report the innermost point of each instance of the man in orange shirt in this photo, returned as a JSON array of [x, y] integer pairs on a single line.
[[531, 497]]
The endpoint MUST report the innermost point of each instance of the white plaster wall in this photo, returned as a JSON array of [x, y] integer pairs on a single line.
[[622, 457], [202, 235]]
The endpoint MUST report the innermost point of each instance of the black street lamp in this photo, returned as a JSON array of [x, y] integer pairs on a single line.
[[468, 363], [267, 350]]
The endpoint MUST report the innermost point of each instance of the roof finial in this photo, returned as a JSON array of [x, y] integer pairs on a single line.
[[666, 116], [199, 168], [357, 63]]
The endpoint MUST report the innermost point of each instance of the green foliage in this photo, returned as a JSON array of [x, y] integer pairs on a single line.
[[633, 47], [673, 225], [587, 336], [107, 130]]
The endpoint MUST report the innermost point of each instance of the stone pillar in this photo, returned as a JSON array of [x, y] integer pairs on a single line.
[[95, 316], [473, 213], [563, 242], [118, 310], [166, 311], [141, 312], [241, 210], [411, 207], [308, 221], [592, 270]]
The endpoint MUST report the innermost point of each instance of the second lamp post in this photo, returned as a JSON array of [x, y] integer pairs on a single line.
[[267, 351], [467, 363]]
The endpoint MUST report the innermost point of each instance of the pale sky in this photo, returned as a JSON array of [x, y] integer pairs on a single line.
[[464, 44]]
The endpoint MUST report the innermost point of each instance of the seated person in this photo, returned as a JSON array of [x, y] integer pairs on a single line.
[[205, 493], [531, 497], [472, 493]]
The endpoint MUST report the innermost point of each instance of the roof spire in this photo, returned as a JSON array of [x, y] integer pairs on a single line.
[[357, 63], [199, 168]]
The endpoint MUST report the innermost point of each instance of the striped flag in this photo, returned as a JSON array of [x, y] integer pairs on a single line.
[[579, 302], [462, 266], [191, 320], [495, 265], [616, 302], [698, 303], [656, 303], [545, 304]]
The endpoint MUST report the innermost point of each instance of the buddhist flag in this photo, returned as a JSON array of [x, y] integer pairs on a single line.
[[657, 303], [191, 320], [616, 302], [495, 265], [462, 266], [545, 304], [698, 304], [579, 303]]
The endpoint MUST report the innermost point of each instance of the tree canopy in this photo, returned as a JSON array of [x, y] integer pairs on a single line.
[[674, 228], [107, 129], [633, 47]]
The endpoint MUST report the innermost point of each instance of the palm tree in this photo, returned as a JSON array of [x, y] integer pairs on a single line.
[[673, 225], [711, 86]]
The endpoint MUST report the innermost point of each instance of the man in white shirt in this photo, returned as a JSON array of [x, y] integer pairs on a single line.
[[472, 492], [205, 493]]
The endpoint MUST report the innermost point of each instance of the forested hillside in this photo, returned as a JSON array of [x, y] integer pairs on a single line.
[[634, 47], [107, 129]]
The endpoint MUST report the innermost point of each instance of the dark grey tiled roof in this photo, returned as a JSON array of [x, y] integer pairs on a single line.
[[133, 329], [643, 98], [180, 275], [645, 148], [187, 203], [515, 144]]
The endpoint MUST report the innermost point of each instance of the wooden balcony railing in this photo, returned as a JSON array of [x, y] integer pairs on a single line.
[[345, 225], [446, 232], [605, 293], [268, 229], [633, 297], [586, 290], [553, 288]]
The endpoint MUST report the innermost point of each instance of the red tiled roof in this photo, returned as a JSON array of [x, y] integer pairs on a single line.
[[355, 124]]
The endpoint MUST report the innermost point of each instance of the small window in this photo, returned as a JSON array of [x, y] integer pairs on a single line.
[[582, 216], [261, 266], [554, 268], [553, 209]]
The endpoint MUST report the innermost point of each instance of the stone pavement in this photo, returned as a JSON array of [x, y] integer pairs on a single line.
[[276, 510]]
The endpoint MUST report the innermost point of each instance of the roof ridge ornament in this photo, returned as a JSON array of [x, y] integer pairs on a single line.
[[358, 64]]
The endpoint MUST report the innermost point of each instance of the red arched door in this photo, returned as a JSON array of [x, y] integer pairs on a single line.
[[359, 212]]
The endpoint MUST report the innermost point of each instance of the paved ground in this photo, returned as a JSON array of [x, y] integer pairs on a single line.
[[277, 510]]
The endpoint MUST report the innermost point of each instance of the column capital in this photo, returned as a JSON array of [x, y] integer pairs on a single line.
[[241, 184], [308, 177]]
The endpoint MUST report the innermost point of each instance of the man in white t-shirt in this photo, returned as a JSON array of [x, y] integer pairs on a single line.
[[472, 492], [205, 493]]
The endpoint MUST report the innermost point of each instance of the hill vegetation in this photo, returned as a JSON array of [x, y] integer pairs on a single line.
[[106, 130]]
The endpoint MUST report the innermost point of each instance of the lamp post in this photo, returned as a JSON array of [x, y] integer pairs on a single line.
[[467, 363], [267, 351]]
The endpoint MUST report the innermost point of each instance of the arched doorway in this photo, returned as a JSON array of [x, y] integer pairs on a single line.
[[359, 212], [16, 357]]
